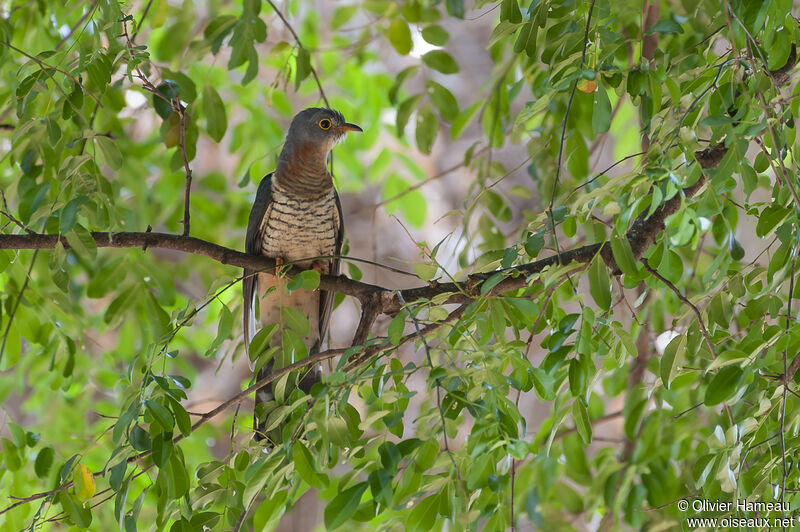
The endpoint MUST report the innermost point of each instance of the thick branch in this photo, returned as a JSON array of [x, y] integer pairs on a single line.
[[370, 309], [642, 235]]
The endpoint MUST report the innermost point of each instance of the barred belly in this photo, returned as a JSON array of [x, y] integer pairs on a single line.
[[295, 230]]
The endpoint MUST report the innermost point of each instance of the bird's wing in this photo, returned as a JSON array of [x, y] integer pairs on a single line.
[[326, 297], [252, 245]]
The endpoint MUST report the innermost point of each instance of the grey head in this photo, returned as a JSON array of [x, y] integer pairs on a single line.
[[313, 133]]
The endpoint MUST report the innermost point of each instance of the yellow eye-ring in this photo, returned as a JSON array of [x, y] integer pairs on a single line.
[[325, 123]]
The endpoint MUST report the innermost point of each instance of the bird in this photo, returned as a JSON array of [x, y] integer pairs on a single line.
[[296, 218]]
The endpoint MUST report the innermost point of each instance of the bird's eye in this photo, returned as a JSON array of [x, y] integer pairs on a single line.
[[325, 123]]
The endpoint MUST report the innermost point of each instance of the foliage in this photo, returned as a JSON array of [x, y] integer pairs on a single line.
[[107, 106]]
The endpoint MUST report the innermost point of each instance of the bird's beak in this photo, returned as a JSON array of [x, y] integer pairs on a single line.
[[350, 127]]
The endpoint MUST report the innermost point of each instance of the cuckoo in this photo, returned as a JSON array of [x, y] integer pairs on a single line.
[[296, 218]]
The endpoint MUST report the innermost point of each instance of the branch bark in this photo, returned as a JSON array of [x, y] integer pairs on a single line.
[[642, 235]]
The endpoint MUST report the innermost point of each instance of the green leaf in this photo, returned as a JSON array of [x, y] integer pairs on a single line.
[[307, 280], [162, 448], [11, 455], [780, 50], [400, 36], [671, 266], [543, 384], [443, 99], [600, 284], [580, 415], [118, 474], [110, 151], [465, 116], [509, 10], [435, 35], [303, 67], [398, 82], [577, 377], [165, 97], [425, 271], [217, 30], [404, 111], [296, 320], [601, 111], [717, 120], [78, 513], [672, 359], [441, 61], [216, 118], [44, 461], [723, 385], [633, 411], [5, 260], [81, 242], [224, 328], [304, 465], [341, 15], [396, 327], [423, 515], [69, 214], [455, 8], [427, 126], [181, 417], [623, 254], [344, 505], [664, 26], [161, 414], [260, 342], [498, 316]]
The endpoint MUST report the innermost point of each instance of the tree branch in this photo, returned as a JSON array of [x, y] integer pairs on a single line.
[[643, 234], [686, 302], [370, 309]]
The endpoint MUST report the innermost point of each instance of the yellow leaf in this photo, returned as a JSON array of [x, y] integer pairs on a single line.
[[84, 483], [586, 85]]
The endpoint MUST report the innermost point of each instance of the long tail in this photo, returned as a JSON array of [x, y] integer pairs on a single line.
[[263, 396]]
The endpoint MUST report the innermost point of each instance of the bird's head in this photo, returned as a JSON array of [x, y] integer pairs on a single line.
[[318, 129]]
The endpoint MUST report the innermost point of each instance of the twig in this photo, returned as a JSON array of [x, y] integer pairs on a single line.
[[786, 376], [300, 45], [424, 182], [600, 419], [369, 312], [686, 302], [7, 213], [368, 353], [566, 113], [45, 66], [141, 20], [421, 336], [81, 20], [188, 191], [16, 304]]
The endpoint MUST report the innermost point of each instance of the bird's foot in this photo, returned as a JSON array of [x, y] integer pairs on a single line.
[[279, 261]]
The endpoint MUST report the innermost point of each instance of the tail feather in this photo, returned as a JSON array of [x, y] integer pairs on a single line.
[[263, 396]]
